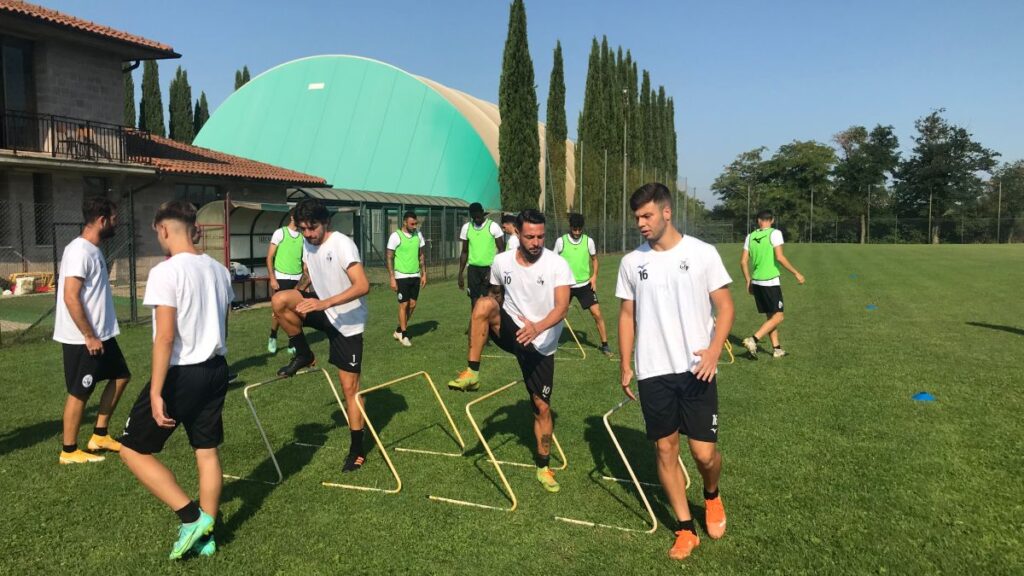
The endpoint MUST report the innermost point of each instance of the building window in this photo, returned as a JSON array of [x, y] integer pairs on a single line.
[[198, 194], [42, 207], [17, 95]]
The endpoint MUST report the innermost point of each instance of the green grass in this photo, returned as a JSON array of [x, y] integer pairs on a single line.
[[829, 466]]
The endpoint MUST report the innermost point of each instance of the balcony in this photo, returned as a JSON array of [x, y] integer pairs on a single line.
[[71, 138]]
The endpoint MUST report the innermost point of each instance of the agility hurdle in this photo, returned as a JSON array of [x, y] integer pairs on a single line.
[[579, 346], [632, 479], [380, 444], [246, 393], [494, 460], [728, 350]]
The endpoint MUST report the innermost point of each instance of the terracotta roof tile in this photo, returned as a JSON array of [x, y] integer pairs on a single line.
[[177, 158], [66, 20]]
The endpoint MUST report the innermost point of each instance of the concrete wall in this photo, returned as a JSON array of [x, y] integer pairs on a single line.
[[80, 82]]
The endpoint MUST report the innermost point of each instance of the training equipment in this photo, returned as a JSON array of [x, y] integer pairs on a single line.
[[566, 346], [189, 534], [246, 393], [495, 462], [380, 445], [79, 457], [104, 443], [728, 350], [923, 397], [632, 478]]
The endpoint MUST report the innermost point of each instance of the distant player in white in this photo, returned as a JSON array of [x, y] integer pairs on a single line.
[[508, 226], [338, 309], [190, 294], [668, 286], [85, 324], [523, 315]]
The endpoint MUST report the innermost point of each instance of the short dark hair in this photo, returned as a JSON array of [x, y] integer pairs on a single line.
[[311, 211], [508, 218], [765, 215], [651, 192], [179, 210], [409, 214], [575, 220], [530, 216], [96, 207], [475, 208]]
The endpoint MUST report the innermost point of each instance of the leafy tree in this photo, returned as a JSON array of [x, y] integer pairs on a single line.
[[202, 113], [557, 132], [518, 141], [182, 125], [129, 99], [241, 77], [151, 108], [866, 162]]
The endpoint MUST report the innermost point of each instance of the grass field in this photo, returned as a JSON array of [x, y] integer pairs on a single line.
[[829, 466]]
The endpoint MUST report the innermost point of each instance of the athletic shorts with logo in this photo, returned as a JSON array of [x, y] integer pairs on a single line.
[[478, 281], [83, 371], [585, 295], [768, 298], [346, 351], [680, 402], [193, 397], [538, 370], [286, 284], [408, 289]]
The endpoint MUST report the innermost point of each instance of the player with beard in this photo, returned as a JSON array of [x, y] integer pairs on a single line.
[[526, 322], [85, 323], [338, 309], [668, 286]]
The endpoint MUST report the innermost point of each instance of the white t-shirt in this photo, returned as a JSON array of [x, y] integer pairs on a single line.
[[591, 248], [495, 230], [394, 241], [512, 242], [276, 239], [327, 265], [83, 259], [530, 291], [776, 239], [671, 304], [199, 288]]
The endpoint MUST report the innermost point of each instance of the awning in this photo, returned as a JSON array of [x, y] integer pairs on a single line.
[[365, 197]]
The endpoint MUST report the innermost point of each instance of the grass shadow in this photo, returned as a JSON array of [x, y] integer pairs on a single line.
[[32, 434], [1010, 329], [381, 406], [421, 328]]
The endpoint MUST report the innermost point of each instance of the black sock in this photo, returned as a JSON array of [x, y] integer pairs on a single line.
[[404, 334], [301, 346], [273, 333], [686, 525], [398, 328], [188, 514], [69, 448], [711, 495], [100, 431], [474, 366], [357, 443], [604, 344], [756, 339], [779, 347], [542, 461]]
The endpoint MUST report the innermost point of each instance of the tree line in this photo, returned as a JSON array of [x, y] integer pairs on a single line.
[[862, 174]]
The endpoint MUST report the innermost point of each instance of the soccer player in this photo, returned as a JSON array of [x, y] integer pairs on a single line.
[[668, 286], [508, 226], [764, 247], [284, 266], [481, 240], [338, 310], [526, 322], [190, 294], [580, 252], [85, 324], [407, 270]]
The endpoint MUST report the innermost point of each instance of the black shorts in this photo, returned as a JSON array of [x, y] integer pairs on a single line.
[[82, 371], [408, 289], [585, 295], [538, 370], [768, 298], [346, 351], [478, 281], [680, 402], [286, 284], [194, 397]]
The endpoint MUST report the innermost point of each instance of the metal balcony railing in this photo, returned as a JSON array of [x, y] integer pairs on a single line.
[[71, 138]]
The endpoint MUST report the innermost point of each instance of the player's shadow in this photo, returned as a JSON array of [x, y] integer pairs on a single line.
[[32, 434], [381, 406], [1010, 329], [515, 420], [252, 494], [421, 328]]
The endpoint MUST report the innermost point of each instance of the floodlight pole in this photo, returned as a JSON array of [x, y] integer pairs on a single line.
[[582, 211], [748, 208], [929, 233], [999, 212], [604, 206], [625, 161], [812, 215], [867, 231]]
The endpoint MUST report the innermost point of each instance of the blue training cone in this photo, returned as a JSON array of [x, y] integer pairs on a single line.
[[923, 397], [871, 307], [853, 276]]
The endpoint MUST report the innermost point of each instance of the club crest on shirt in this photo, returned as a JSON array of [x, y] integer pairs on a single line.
[[684, 265], [330, 256], [540, 281]]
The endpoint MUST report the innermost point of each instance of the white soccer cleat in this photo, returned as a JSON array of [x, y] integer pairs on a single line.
[[397, 335], [778, 353], [750, 345], [406, 342]]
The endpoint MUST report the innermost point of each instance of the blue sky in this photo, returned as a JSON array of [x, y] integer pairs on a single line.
[[743, 73]]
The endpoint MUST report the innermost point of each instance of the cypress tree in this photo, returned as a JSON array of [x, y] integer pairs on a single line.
[[180, 108], [129, 100], [202, 113], [557, 132], [151, 107], [518, 141], [245, 75], [238, 79]]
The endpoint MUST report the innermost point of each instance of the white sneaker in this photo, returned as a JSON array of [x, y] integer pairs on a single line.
[[397, 335], [750, 345], [406, 342], [778, 353]]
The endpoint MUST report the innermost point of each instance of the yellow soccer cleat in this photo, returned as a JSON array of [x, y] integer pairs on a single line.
[[79, 457], [104, 443]]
